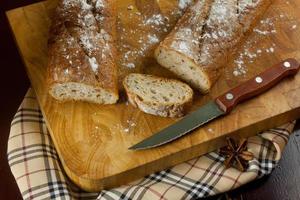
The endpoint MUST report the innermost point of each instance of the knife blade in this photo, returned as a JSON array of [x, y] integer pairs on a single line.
[[222, 105]]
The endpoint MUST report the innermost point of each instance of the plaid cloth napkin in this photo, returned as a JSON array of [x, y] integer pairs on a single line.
[[37, 169]]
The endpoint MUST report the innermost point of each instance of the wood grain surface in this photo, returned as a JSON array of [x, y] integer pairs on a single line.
[[92, 140]]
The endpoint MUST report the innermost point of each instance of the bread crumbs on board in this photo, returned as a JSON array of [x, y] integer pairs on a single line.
[[129, 126]]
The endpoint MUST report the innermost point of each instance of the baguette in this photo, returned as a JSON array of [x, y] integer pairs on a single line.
[[158, 96], [81, 52], [199, 46]]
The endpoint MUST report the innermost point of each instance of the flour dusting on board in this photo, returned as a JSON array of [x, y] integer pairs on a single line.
[[157, 23], [151, 26], [267, 27]]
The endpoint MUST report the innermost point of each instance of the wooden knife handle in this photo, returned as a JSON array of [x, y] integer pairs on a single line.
[[258, 84]]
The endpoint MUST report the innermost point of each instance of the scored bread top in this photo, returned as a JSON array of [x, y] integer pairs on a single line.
[[81, 44], [202, 40]]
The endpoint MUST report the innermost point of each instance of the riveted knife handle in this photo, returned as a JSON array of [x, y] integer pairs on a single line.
[[258, 84]]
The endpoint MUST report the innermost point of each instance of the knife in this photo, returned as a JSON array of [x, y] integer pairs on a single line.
[[222, 105]]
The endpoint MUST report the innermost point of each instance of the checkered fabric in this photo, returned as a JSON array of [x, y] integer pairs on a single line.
[[39, 174]]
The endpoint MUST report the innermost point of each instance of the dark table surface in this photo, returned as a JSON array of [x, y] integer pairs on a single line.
[[283, 183]]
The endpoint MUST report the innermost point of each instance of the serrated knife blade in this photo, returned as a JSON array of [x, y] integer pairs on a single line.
[[192, 121], [221, 105]]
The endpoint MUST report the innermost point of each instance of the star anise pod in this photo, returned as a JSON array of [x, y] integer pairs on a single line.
[[236, 154]]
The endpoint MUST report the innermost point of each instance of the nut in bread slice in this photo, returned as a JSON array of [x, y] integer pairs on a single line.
[[158, 96]]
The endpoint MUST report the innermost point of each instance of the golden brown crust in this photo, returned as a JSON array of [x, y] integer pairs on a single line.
[[207, 36], [185, 37], [81, 45]]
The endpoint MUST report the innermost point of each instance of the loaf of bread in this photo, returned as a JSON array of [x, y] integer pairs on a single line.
[[158, 96], [199, 46], [81, 51]]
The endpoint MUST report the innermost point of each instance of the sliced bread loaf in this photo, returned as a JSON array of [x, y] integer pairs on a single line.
[[201, 42], [81, 52], [158, 96]]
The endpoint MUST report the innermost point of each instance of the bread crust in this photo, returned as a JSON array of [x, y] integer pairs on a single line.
[[81, 49], [163, 110], [206, 36]]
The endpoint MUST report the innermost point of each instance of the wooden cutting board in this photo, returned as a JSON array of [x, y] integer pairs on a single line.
[[92, 140]]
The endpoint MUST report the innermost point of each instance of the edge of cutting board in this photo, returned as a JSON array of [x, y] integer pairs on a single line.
[[90, 184], [95, 184]]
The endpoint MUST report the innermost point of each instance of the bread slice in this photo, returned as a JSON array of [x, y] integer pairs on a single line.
[[201, 42], [81, 52], [158, 96]]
